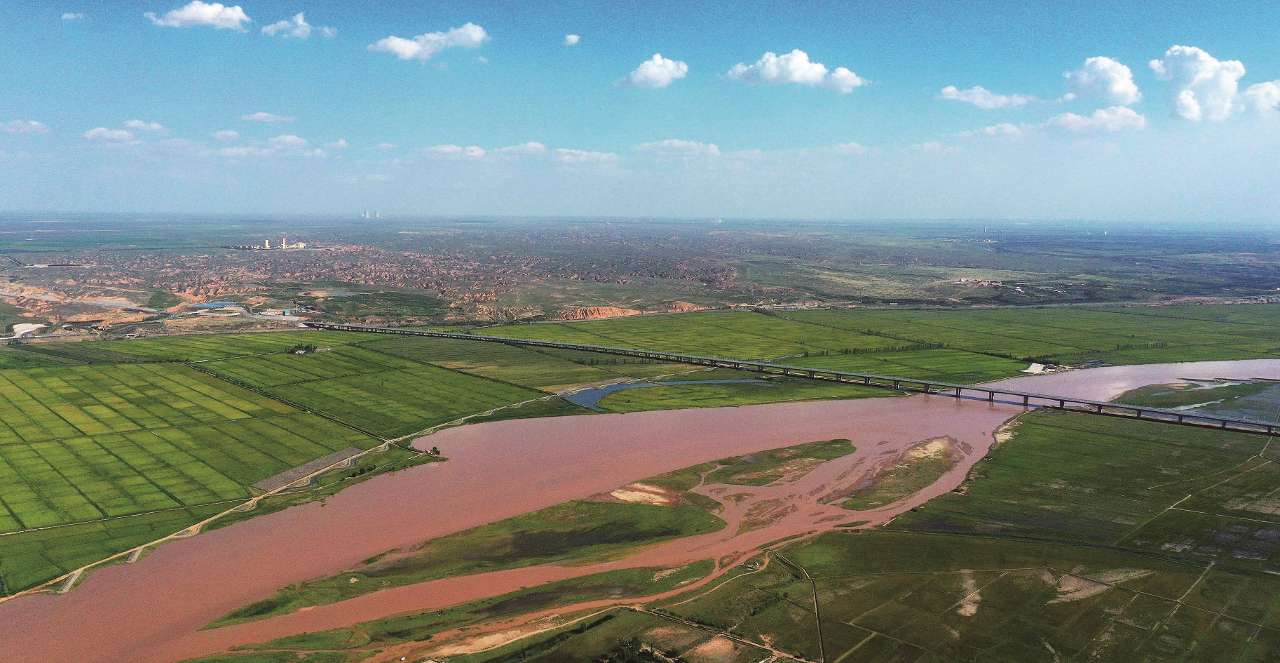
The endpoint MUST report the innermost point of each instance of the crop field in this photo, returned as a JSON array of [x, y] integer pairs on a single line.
[[677, 396], [16, 357], [1073, 335], [547, 370], [740, 335], [199, 347], [94, 443]]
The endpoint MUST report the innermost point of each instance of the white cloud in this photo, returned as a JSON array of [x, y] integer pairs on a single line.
[[850, 149], [572, 39], [675, 147], [460, 151], [287, 141], [340, 144], [796, 67], [23, 127], [198, 13], [297, 28], [1110, 120], [267, 118], [106, 135], [566, 155], [1263, 97], [1000, 130], [983, 98], [1203, 87], [384, 147], [529, 148], [424, 46], [73, 16], [1103, 79], [931, 147], [243, 151], [226, 135], [143, 125], [658, 72]]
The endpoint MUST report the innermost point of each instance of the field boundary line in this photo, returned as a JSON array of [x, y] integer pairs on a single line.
[[280, 399]]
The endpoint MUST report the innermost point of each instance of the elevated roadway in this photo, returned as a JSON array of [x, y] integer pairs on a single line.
[[892, 382]]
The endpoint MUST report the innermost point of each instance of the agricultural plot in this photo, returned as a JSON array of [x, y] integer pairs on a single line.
[[401, 401], [200, 347], [95, 444], [1063, 476], [740, 335], [675, 395], [547, 370], [1073, 335], [13, 356]]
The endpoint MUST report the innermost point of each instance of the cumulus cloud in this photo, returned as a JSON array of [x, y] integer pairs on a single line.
[[796, 67], [1109, 120], [1263, 97], [73, 16], [572, 39], [675, 147], [267, 118], [529, 148], [566, 155], [460, 151], [226, 135], [1202, 86], [1102, 79], [426, 45], [284, 141], [983, 98], [105, 135], [297, 28], [23, 127], [143, 125], [658, 72], [198, 13]]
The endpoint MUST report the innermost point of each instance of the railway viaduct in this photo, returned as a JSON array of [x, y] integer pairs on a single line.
[[895, 383]]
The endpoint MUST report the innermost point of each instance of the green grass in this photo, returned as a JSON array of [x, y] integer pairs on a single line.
[[576, 532], [906, 477], [674, 397], [421, 626], [195, 347], [17, 356], [764, 468]]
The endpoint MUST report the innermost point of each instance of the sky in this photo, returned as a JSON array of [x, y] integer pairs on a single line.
[[1162, 111]]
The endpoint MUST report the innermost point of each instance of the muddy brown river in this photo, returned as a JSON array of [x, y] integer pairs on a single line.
[[153, 609]]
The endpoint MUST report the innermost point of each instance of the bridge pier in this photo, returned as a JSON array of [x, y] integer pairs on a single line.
[[882, 381]]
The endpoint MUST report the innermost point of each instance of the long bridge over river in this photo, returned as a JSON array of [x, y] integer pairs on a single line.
[[896, 383]]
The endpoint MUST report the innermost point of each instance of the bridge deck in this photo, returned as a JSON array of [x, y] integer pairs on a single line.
[[896, 383]]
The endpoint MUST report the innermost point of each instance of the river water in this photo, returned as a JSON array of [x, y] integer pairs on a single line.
[[153, 610]]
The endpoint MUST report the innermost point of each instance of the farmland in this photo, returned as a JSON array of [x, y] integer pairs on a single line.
[[962, 346], [134, 448]]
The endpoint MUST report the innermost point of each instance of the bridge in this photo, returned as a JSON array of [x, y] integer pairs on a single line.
[[896, 383]]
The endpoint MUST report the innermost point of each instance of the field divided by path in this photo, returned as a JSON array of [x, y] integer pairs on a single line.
[[949, 345], [141, 444]]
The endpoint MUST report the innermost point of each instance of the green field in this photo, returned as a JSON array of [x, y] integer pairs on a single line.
[[86, 444], [953, 345], [197, 347]]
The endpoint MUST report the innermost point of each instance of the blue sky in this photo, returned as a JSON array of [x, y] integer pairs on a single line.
[[889, 109]]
